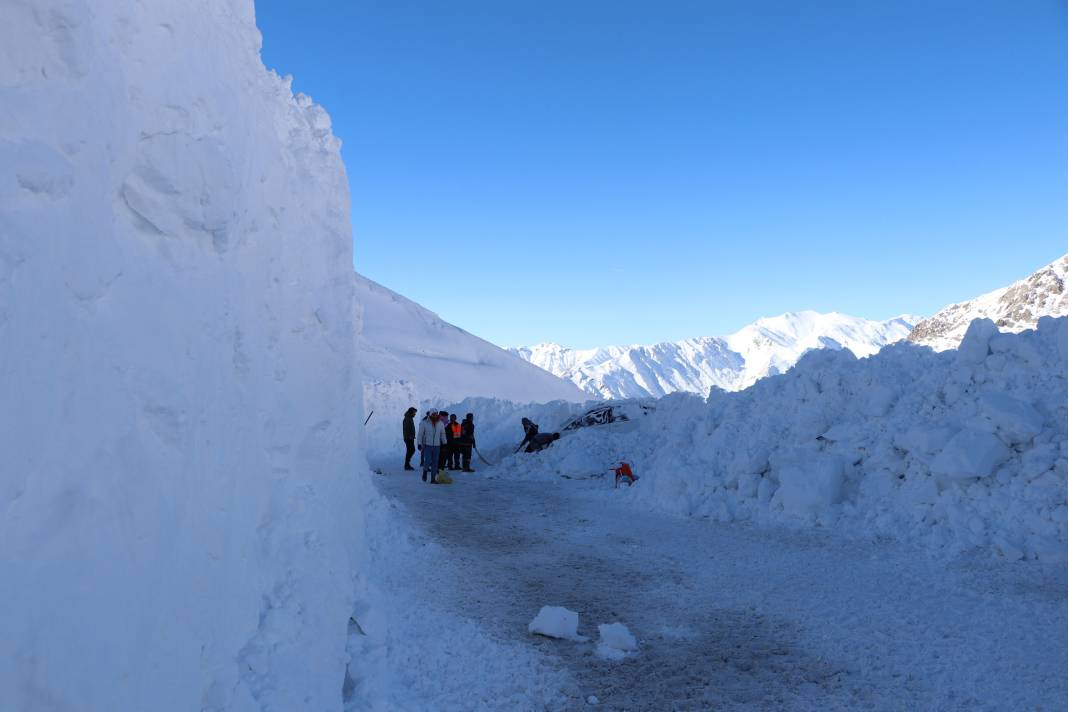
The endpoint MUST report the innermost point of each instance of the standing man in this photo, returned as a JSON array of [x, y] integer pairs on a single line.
[[408, 428], [431, 437], [467, 440], [453, 431], [444, 453]]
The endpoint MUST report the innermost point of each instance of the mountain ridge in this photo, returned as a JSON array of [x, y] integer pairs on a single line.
[[1013, 308], [767, 346]]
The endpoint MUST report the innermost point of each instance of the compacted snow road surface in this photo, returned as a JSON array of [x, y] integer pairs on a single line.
[[735, 617]]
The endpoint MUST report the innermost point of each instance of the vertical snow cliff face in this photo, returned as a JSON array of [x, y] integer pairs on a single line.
[[180, 523]]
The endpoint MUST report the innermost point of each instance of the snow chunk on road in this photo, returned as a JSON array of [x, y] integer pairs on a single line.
[[971, 453], [556, 622], [615, 641]]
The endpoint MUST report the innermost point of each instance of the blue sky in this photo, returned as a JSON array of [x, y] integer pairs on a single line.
[[627, 172]]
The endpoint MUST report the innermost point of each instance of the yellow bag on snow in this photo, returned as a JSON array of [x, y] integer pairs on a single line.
[[443, 478]]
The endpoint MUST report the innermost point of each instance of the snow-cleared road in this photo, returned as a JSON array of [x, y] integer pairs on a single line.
[[738, 617]]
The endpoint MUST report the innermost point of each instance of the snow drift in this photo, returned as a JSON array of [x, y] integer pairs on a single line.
[[765, 347], [410, 356], [181, 490], [958, 450]]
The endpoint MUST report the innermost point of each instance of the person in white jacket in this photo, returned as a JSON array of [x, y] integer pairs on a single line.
[[430, 439]]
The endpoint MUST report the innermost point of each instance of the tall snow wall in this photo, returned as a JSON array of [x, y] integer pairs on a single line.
[[180, 484]]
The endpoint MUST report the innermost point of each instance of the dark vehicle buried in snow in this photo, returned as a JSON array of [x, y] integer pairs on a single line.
[[608, 413]]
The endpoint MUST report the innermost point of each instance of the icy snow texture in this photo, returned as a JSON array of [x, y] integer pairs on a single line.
[[555, 622], [423, 656], [607, 652], [182, 522], [615, 641], [411, 357], [765, 347], [1013, 308], [956, 450]]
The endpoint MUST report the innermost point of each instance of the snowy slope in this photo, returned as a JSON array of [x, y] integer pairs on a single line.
[[182, 514], [1013, 308], [410, 356], [766, 347]]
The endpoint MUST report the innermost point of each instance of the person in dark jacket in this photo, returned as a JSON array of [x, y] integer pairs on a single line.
[[530, 430], [542, 441], [467, 440], [534, 440], [408, 428]]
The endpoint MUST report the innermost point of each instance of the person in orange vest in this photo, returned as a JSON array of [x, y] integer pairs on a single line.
[[452, 435]]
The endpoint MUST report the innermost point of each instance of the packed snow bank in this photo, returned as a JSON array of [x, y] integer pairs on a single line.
[[182, 508], [411, 357], [957, 450]]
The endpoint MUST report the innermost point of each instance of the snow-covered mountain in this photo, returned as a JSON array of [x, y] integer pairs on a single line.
[[1013, 308], [765, 347], [410, 356]]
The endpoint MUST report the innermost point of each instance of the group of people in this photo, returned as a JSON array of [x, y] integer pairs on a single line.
[[446, 444], [443, 443]]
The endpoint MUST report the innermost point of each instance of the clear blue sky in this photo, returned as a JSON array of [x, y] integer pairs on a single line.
[[595, 172]]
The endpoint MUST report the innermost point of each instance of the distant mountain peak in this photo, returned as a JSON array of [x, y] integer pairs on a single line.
[[767, 346]]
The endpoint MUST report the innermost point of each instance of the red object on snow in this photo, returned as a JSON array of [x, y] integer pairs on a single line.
[[624, 471]]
